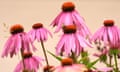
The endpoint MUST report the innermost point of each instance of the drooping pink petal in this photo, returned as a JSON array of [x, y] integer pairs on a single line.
[[19, 67], [60, 23], [80, 23], [56, 20], [44, 34], [68, 19], [83, 42], [67, 46], [49, 33], [110, 34], [6, 47], [32, 34], [60, 44]]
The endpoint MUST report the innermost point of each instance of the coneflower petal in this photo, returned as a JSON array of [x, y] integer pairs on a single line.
[[60, 23], [56, 20]]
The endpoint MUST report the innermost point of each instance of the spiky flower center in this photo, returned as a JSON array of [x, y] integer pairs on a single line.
[[17, 28], [27, 55], [25, 70], [69, 29], [108, 23], [67, 62], [37, 25], [48, 68], [68, 6]]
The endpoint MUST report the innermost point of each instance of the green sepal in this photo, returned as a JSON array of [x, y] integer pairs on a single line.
[[85, 58], [91, 64], [114, 51], [103, 58]]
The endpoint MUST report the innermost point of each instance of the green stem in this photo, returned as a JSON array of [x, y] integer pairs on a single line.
[[116, 65], [110, 61], [42, 44]]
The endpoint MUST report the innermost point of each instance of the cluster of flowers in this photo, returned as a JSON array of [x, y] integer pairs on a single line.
[[76, 36]]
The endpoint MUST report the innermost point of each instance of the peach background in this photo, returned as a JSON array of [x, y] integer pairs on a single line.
[[28, 12]]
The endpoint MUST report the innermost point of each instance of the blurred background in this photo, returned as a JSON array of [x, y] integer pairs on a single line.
[[28, 12]]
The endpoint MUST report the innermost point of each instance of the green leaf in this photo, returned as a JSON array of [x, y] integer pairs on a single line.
[[85, 58], [58, 58], [90, 65], [86, 61], [81, 60], [84, 54], [103, 58]]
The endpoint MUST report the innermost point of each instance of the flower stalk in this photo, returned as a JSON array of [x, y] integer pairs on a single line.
[[45, 55], [116, 63], [110, 60]]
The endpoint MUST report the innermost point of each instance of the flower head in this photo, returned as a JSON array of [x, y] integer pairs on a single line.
[[108, 23], [70, 16], [39, 32], [68, 66], [71, 41], [68, 6], [66, 61], [17, 28], [17, 41], [69, 29], [109, 34], [32, 63]]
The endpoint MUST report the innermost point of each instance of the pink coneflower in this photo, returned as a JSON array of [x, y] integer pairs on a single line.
[[39, 33], [109, 34], [17, 41], [31, 63], [70, 16], [68, 66], [71, 41]]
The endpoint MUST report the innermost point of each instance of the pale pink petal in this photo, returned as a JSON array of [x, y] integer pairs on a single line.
[[19, 67], [18, 44], [6, 47], [73, 43], [43, 35], [32, 34], [58, 69], [49, 33], [68, 18], [60, 44], [78, 47], [83, 42], [67, 45], [79, 21], [105, 69], [60, 23], [111, 34], [105, 36], [98, 34], [38, 36], [56, 20]]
